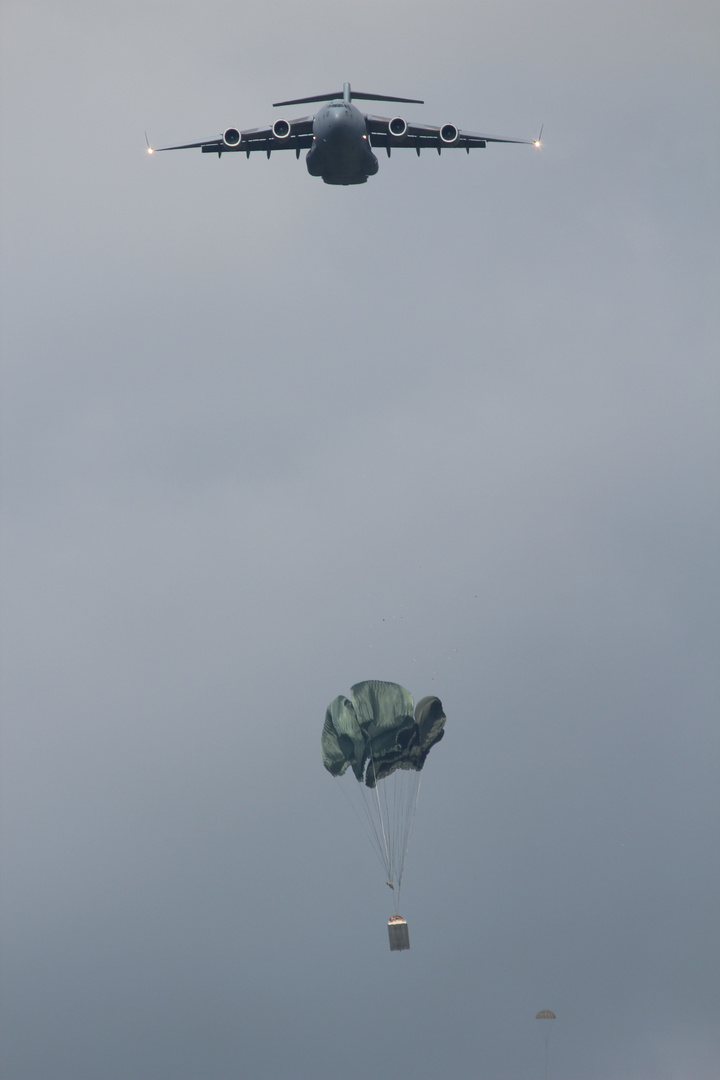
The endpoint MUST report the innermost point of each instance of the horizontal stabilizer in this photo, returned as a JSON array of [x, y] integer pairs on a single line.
[[305, 100], [351, 94], [384, 97]]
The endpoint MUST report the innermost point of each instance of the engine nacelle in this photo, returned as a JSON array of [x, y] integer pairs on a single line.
[[449, 133], [397, 127], [231, 137], [281, 129]]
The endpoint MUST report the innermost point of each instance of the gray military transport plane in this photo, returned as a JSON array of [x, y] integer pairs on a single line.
[[339, 138]]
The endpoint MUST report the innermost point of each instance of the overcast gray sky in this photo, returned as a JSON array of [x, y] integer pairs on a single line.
[[264, 438]]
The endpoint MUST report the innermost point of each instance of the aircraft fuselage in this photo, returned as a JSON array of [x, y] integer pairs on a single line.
[[341, 152]]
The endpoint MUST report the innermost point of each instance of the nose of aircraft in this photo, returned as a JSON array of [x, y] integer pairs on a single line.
[[339, 127]]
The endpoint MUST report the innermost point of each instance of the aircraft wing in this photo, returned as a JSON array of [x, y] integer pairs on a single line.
[[418, 136], [296, 135]]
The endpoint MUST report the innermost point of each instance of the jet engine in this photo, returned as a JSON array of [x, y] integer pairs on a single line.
[[397, 127], [231, 137], [449, 133], [281, 129]]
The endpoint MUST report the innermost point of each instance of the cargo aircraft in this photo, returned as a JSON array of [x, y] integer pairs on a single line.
[[340, 139]]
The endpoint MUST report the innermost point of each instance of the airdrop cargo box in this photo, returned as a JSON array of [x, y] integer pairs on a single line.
[[398, 933]]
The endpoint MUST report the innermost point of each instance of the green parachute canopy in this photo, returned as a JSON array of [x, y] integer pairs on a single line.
[[376, 731], [378, 734]]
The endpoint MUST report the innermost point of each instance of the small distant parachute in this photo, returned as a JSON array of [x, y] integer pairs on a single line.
[[548, 1016], [385, 742]]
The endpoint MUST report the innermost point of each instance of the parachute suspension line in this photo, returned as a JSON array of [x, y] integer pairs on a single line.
[[387, 811], [368, 822], [547, 1042], [398, 782], [388, 821], [409, 820], [388, 790], [392, 788], [385, 847], [374, 826], [394, 808]]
